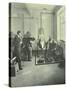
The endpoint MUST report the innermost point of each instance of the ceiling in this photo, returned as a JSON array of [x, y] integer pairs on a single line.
[[28, 8]]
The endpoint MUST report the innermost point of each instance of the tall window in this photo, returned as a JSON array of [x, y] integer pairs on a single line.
[[61, 25]]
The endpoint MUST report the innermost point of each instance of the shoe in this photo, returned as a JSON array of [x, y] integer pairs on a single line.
[[29, 60], [21, 68], [17, 70]]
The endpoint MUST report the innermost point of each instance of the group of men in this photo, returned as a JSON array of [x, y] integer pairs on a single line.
[[20, 43], [24, 45]]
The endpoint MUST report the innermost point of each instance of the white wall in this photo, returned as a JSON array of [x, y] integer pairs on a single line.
[[31, 24], [21, 20]]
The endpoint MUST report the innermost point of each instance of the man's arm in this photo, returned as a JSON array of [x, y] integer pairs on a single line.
[[16, 41]]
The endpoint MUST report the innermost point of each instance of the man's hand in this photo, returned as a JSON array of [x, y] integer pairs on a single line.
[[20, 42]]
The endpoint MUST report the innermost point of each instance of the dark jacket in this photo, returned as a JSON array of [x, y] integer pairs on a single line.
[[17, 47]]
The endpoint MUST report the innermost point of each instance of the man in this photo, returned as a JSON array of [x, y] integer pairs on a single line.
[[39, 44], [28, 45], [17, 48]]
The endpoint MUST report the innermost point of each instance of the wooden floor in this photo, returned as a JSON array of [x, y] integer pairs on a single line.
[[38, 75]]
